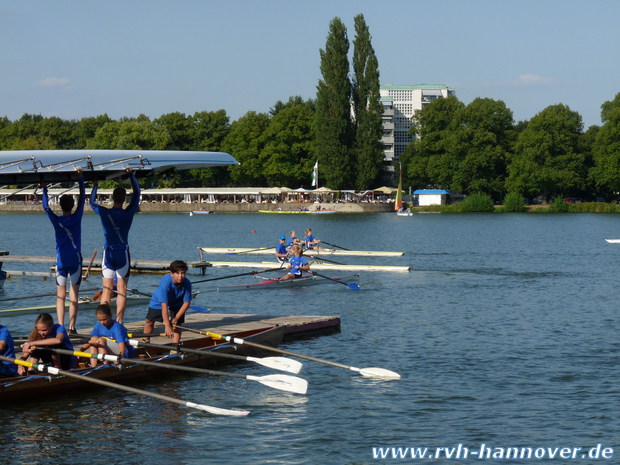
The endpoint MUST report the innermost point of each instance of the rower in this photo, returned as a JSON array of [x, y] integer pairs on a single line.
[[281, 253], [297, 264], [311, 242]]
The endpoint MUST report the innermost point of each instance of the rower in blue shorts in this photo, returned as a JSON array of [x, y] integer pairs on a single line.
[[68, 228], [116, 223]]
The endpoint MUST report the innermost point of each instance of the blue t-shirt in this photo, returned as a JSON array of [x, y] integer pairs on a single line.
[[281, 248], [170, 293], [68, 231], [9, 350], [295, 261], [117, 332], [116, 222], [309, 239]]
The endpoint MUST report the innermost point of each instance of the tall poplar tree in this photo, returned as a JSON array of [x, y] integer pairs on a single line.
[[332, 125], [367, 107]]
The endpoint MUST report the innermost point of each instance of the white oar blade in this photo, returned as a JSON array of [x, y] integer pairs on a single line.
[[378, 373], [217, 410], [283, 383], [279, 363]]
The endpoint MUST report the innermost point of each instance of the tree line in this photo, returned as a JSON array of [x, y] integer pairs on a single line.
[[474, 148], [478, 148]]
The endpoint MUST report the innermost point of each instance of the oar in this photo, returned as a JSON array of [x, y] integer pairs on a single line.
[[276, 363], [353, 286], [366, 372], [92, 259], [193, 307], [282, 382], [251, 250], [236, 275], [334, 245], [320, 259], [69, 374], [42, 295]]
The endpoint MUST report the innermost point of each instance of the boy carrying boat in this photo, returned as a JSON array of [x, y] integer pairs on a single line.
[[116, 223], [7, 369], [68, 228], [281, 253], [108, 337], [50, 335], [297, 264], [170, 301]]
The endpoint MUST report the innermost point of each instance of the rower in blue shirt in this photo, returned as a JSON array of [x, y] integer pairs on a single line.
[[297, 263], [281, 252], [68, 228], [7, 369], [116, 222]]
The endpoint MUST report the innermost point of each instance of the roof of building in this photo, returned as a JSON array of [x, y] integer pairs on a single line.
[[417, 86], [432, 191]]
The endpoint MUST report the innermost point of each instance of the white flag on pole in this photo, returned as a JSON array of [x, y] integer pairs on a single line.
[[315, 175]]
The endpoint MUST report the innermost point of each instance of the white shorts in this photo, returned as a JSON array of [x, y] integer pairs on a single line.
[[116, 262], [72, 275]]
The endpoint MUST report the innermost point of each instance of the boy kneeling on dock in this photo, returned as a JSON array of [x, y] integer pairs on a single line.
[[170, 301], [108, 337]]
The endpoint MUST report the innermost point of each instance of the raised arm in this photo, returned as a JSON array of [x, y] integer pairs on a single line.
[[135, 195]]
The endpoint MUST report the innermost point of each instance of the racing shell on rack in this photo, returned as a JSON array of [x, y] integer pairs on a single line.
[[34, 166]]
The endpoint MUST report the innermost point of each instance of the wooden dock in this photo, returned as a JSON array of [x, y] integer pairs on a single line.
[[137, 266], [297, 326]]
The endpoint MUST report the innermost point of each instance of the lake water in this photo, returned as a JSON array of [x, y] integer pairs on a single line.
[[505, 333]]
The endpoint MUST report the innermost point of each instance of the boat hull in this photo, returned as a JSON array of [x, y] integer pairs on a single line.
[[315, 252], [289, 212], [314, 265], [274, 284], [41, 387]]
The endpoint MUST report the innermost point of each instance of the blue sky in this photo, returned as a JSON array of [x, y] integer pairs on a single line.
[[75, 59]]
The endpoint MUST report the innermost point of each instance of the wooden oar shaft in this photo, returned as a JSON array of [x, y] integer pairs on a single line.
[[133, 361], [236, 275], [334, 245], [264, 347], [181, 348], [102, 382], [41, 295], [92, 259]]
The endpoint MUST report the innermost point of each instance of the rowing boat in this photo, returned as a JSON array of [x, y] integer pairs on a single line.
[[275, 284], [34, 166], [42, 386], [284, 212], [613, 241], [84, 303], [200, 212], [314, 265], [313, 252]]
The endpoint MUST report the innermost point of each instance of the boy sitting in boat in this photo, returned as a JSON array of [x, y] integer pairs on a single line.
[[108, 337], [170, 301], [49, 335], [297, 264]]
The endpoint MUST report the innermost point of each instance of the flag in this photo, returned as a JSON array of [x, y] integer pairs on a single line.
[[315, 175]]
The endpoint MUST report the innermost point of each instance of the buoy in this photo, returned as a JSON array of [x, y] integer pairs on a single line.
[[253, 231]]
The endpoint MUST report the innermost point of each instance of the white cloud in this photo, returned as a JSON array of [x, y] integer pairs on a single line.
[[53, 82], [532, 80]]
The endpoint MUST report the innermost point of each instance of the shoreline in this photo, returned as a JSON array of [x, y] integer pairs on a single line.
[[148, 207]]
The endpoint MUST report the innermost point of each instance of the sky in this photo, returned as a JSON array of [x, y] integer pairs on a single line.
[[75, 59]]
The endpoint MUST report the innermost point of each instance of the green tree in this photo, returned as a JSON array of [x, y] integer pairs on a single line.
[[333, 129], [85, 129], [367, 106], [130, 134], [606, 149], [286, 159], [428, 160], [180, 129], [292, 101], [245, 141], [210, 129], [547, 158]]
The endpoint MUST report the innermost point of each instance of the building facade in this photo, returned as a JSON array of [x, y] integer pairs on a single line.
[[399, 105]]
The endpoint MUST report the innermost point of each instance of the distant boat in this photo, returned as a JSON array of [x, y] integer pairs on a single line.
[[200, 212], [298, 212], [404, 213]]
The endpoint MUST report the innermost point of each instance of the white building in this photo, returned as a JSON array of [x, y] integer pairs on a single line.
[[399, 105]]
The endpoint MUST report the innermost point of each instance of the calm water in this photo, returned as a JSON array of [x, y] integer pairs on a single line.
[[505, 333]]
